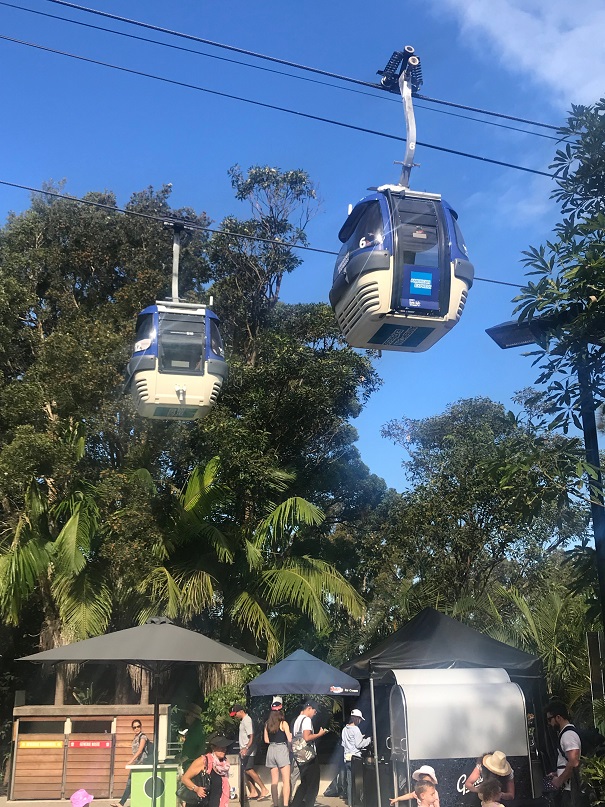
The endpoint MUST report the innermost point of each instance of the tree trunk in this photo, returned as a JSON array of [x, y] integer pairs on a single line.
[[123, 688], [60, 685], [144, 688]]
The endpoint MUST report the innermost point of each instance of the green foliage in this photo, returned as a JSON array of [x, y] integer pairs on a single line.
[[251, 564], [550, 622], [218, 703], [568, 294], [469, 521], [593, 775]]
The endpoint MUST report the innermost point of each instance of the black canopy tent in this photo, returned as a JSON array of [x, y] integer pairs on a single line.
[[432, 640], [302, 673]]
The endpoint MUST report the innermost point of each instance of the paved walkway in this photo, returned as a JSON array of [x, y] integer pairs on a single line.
[[322, 801]]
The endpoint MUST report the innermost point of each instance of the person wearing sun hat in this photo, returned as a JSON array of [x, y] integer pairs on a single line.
[[492, 765], [216, 765], [352, 741], [424, 774], [195, 738]]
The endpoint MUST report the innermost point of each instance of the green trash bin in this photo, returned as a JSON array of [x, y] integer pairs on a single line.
[[165, 785]]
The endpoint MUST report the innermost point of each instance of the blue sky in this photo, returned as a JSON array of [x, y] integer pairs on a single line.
[[101, 129]]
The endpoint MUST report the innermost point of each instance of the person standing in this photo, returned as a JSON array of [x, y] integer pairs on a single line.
[[353, 742], [216, 765], [278, 737], [139, 749], [492, 765], [569, 749], [195, 739], [309, 771], [247, 750]]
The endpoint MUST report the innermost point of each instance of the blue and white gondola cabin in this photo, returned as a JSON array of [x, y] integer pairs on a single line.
[[178, 364], [402, 275]]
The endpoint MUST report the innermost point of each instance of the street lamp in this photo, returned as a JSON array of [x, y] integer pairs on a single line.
[[517, 334]]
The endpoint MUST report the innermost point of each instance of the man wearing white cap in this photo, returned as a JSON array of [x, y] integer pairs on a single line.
[[353, 742]]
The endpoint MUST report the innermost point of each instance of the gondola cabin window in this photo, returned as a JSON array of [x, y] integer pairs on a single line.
[[362, 230], [181, 344], [144, 333], [216, 342], [420, 254]]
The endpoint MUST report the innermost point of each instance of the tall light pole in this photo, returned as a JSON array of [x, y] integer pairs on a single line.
[[517, 334]]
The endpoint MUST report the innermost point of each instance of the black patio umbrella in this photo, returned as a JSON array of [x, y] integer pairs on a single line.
[[154, 646]]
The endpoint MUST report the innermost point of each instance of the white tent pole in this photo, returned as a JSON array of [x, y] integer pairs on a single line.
[[373, 706]]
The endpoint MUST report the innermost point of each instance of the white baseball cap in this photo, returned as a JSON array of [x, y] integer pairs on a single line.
[[357, 713], [426, 769]]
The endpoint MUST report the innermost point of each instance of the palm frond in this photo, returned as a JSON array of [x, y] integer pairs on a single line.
[[250, 614], [191, 527], [292, 586], [203, 491], [146, 479], [20, 570], [69, 543], [254, 555], [84, 603], [289, 513], [162, 590]]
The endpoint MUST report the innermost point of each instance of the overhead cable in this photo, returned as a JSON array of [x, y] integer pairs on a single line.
[[285, 62], [198, 227], [183, 49], [264, 105]]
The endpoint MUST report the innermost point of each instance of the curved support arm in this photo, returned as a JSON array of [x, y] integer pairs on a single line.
[[405, 86]]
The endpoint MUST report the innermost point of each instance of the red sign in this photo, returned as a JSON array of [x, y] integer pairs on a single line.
[[90, 743]]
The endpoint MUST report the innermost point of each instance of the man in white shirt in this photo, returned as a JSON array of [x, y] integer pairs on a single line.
[[569, 749], [247, 750], [309, 771], [352, 743]]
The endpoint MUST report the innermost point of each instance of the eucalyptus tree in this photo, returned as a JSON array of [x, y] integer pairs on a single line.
[[465, 523]]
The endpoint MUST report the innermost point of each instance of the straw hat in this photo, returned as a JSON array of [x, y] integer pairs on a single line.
[[497, 763]]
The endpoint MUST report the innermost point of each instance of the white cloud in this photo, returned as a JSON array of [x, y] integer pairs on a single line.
[[521, 203], [557, 42]]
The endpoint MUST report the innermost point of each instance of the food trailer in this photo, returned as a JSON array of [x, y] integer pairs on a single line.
[[477, 683], [449, 718]]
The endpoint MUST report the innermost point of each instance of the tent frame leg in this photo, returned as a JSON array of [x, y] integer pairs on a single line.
[[376, 767]]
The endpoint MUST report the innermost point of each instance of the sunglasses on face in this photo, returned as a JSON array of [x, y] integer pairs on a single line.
[[137, 726]]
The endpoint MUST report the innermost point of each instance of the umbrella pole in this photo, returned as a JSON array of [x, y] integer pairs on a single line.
[[156, 729]]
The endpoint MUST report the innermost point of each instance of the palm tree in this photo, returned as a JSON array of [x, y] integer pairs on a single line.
[[246, 571], [551, 624], [50, 556]]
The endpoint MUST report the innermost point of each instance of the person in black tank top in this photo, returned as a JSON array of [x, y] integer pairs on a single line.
[[278, 737]]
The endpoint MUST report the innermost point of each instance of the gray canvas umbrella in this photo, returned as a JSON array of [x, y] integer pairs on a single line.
[[154, 646]]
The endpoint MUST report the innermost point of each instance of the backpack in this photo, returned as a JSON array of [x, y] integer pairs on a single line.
[[148, 751], [582, 794], [593, 742]]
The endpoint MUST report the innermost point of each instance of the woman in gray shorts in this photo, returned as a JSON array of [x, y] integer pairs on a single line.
[[278, 736]]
